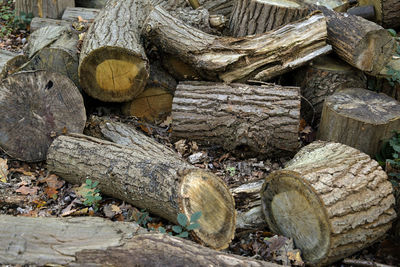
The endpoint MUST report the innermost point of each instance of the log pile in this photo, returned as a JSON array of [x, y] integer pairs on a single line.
[[183, 62]]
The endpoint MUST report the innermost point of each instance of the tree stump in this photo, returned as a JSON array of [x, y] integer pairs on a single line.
[[333, 200], [387, 12], [113, 65], [10, 62], [253, 120], [36, 106], [259, 16], [43, 8], [320, 79], [150, 176], [359, 118]]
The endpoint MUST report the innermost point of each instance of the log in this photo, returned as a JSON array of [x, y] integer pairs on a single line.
[[36, 106], [320, 79], [10, 62], [155, 103], [367, 12], [219, 7], [233, 59], [387, 12], [149, 176], [113, 65], [359, 118], [54, 48], [43, 8], [251, 120], [361, 43], [37, 23], [333, 200], [259, 16], [336, 5], [91, 3], [164, 250], [74, 13]]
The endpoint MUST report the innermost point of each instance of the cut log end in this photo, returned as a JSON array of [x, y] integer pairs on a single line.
[[210, 196], [296, 211], [179, 69], [113, 75]]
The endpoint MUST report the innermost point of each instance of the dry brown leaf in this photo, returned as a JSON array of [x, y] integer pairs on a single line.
[[181, 146], [3, 170], [53, 181], [24, 190], [115, 209]]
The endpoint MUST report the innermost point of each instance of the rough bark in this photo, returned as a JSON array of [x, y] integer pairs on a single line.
[[54, 48], [163, 250], [320, 79], [259, 16], [367, 12], [337, 5], [361, 43], [38, 23], [35, 106], [10, 62], [43, 8], [359, 118], [218, 7], [254, 120], [148, 175], [387, 12], [41, 241], [232, 59], [155, 103], [333, 200], [74, 13], [113, 65], [91, 3]]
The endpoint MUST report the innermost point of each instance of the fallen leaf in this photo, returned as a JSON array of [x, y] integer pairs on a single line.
[[167, 122], [181, 146], [3, 170], [154, 225], [51, 192], [53, 181], [24, 190], [115, 209]]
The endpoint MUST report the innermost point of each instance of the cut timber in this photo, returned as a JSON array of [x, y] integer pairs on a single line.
[[255, 120], [367, 12], [259, 16], [35, 106], [321, 78], [361, 43], [337, 5], [77, 13], [164, 250], [149, 176], [10, 62], [113, 65], [233, 59], [180, 70], [359, 118], [155, 103], [219, 7], [91, 3], [387, 12], [38, 23], [333, 200], [45, 241], [43, 8], [54, 48]]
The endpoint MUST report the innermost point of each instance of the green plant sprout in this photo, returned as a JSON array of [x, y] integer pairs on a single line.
[[394, 75], [390, 154], [185, 225], [10, 21], [143, 218], [231, 170], [92, 197]]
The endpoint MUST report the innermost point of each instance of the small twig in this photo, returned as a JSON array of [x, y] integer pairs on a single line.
[[365, 263]]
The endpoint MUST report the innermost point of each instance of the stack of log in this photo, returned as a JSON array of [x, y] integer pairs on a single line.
[[210, 69]]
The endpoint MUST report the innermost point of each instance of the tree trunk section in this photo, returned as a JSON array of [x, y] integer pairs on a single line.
[[10, 62], [43, 8], [259, 16], [219, 7], [155, 103], [359, 118], [91, 3], [320, 79], [233, 59], [36, 106], [37, 23], [148, 177], [387, 12], [253, 120], [113, 65], [74, 13], [54, 48], [361, 43], [164, 250], [331, 199]]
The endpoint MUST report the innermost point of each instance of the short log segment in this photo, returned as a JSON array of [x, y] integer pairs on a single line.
[[38, 23], [387, 12], [74, 13], [148, 177], [255, 120], [259, 16], [10, 62], [359, 118], [36, 106], [333, 200], [234, 59], [43, 8], [113, 65], [320, 79]]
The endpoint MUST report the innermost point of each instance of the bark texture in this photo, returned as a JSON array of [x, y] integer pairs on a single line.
[[43, 8], [333, 200], [164, 250], [73, 13], [259, 16], [10, 62], [36, 106], [320, 79], [149, 176], [387, 11], [232, 59], [38, 23], [257, 120], [113, 65], [359, 118], [218, 7]]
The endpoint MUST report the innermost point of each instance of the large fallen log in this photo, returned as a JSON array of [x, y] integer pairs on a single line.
[[254, 120], [113, 65], [232, 59], [149, 175], [359, 118], [36, 106], [331, 199], [43, 8], [387, 12]]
